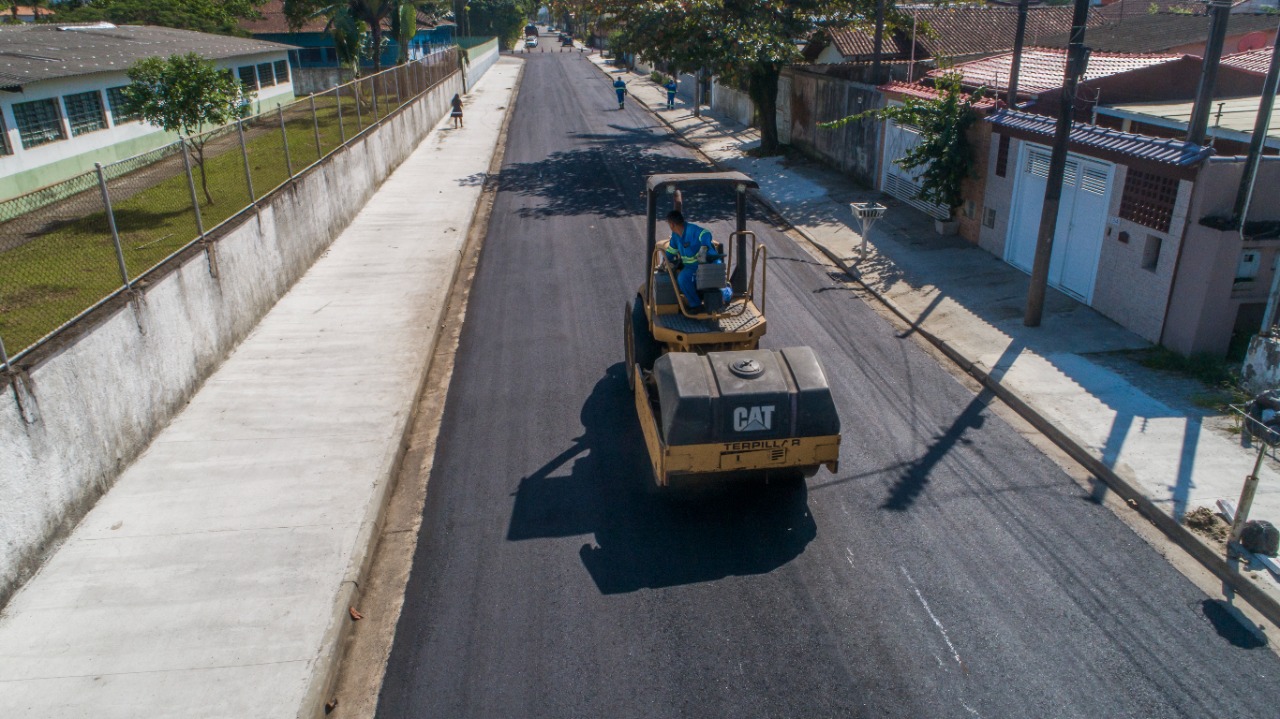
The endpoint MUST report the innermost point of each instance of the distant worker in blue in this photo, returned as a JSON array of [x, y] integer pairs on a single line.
[[690, 246], [620, 88], [671, 87]]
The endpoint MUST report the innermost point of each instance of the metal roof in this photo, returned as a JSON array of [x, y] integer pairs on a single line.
[[32, 53], [691, 179], [1043, 69], [1231, 118], [1154, 149]]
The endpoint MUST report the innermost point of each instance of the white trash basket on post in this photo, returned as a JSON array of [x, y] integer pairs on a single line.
[[867, 214]]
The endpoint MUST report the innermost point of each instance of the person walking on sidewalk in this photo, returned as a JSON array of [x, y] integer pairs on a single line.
[[620, 89], [671, 87], [456, 102]]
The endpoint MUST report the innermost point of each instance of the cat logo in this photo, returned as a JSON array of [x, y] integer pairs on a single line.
[[753, 419]]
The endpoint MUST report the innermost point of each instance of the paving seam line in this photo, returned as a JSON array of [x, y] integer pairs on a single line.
[[1180, 535], [325, 677]]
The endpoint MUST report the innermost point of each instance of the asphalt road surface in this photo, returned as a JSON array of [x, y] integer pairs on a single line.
[[948, 570]]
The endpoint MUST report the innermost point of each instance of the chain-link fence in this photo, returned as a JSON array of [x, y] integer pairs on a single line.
[[69, 247]]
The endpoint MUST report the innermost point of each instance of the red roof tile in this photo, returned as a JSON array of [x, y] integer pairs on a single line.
[[1252, 61], [924, 92], [1043, 69]]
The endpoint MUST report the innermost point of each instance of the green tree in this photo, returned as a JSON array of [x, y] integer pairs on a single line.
[[944, 152], [406, 27], [216, 16], [186, 94], [504, 19], [749, 40]]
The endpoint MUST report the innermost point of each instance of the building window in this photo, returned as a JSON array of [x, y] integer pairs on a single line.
[[266, 78], [1149, 199], [84, 112], [249, 77], [119, 113], [310, 56], [38, 122], [4, 139], [1151, 253], [1248, 266], [989, 218], [282, 71], [1002, 156]]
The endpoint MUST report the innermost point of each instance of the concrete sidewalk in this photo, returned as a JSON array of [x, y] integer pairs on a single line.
[[213, 580], [1180, 456]]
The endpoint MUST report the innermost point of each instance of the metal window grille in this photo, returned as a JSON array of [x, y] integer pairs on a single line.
[[1149, 199], [84, 112], [4, 139], [248, 77], [266, 76], [119, 113], [38, 122], [282, 71]]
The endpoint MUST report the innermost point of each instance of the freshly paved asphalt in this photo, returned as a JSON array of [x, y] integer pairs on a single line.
[[949, 570]]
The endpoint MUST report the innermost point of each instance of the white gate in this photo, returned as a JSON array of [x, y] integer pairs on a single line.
[[898, 182], [1082, 216]]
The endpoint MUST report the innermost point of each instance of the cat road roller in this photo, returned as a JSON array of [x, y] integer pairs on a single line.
[[711, 402]]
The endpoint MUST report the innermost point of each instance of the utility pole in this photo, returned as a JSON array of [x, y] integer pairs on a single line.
[[1077, 58], [1019, 37], [1244, 195], [1219, 13], [879, 48]]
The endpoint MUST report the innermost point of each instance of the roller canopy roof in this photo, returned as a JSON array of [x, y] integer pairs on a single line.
[[691, 179]]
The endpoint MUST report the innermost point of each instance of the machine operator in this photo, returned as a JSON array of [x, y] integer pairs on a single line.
[[690, 245]]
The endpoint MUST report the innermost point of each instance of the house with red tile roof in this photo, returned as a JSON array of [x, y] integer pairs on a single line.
[[1254, 61], [1170, 32]]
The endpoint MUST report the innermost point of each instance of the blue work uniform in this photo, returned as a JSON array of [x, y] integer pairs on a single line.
[[684, 249], [671, 94], [620, 88]]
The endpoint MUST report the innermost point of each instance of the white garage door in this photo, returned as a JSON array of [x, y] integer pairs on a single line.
[[897, 181], [1082, 216]]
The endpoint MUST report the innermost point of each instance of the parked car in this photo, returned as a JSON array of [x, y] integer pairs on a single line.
[[566, 40], [531, 41]]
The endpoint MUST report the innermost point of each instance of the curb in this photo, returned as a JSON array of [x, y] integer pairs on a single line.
[[324, 677], [1134, 497]]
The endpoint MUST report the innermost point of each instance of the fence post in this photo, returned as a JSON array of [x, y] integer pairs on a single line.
[[4, 359], [359, 120], [395, 73], [191, 186], [244, 153], [284, 135], [111, 222], [342, 131], [315, 125], [373, 82]]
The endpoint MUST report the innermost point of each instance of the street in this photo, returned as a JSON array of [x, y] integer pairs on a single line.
[[948, 570]]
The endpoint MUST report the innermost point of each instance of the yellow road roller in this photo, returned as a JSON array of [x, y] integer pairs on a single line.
[[711, 403]]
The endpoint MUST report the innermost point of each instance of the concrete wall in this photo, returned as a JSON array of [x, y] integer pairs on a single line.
[[481, 58], [91, 408], [815, 98], [1206, 299], [733, 103]]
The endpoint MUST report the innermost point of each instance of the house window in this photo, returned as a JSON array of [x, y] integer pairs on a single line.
[[1151, 253], [4, 139], [248, 77], [266, 78], [39, 122], [1248, 266], [970, 209], [1149, 199], [989, 218], [310, 56], [84, 112], [282, 71], [1002, 156], [116, 101]]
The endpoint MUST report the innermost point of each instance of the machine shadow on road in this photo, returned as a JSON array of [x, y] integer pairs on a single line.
[[643, 540]]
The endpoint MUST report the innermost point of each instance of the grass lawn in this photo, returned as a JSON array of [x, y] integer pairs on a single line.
[[49, 280]]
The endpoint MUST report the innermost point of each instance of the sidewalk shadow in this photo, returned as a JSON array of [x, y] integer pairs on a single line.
[[647, 541]]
